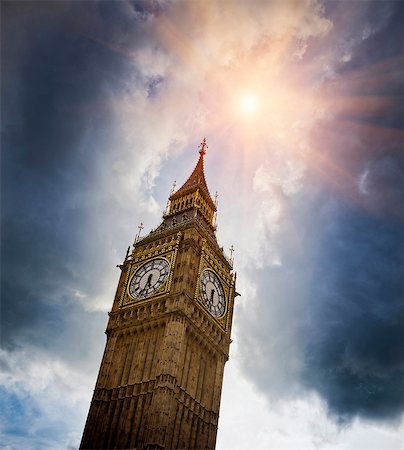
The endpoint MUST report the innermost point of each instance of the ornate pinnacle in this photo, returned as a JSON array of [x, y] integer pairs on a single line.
[[173, 188], [137, 237], [168, 200], [203, 147], [231, 254]]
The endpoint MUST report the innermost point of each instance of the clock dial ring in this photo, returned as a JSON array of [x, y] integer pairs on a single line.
[[212, 293], [149, 278]]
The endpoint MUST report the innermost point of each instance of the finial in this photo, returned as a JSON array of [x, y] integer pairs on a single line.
[[168, 200], [173, 188], [215, 213], [140, 228], [231, 253], [203, 147]]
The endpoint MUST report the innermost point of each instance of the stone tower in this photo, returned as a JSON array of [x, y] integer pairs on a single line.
[[168, 335]]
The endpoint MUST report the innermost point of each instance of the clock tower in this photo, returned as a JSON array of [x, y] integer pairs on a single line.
[[168, 335]]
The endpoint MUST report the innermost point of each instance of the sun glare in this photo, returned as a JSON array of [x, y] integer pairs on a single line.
[[249, 104]]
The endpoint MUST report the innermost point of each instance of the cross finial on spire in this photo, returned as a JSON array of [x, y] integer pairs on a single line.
[[168, 200], [173, 188], [140, 228], [231, 253], [203, 147]]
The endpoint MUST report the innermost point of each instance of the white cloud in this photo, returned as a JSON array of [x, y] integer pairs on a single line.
[[56, 396], [249, 420]]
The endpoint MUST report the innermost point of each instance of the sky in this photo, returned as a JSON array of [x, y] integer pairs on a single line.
[[103, 106]]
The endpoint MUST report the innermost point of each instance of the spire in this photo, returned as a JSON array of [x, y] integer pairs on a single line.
[[196, 179], [193, 199]]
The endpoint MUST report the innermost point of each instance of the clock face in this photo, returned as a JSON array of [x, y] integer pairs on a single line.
[[212, 293], [149, 278]]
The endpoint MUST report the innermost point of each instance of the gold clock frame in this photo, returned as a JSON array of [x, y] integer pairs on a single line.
[[167, 251], [226, 303], [209, 261], [134, 272]]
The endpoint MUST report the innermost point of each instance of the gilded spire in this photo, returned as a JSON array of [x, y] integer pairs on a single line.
[[197, 179], [194, 193]]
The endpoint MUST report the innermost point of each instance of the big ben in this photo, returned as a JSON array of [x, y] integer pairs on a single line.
[[168, 335]]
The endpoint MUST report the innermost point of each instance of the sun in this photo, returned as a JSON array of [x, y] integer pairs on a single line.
[[249, 104]]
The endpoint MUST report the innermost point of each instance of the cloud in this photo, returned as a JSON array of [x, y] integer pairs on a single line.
[[39, 395], [326, 320], [353, 355], [381, 182]]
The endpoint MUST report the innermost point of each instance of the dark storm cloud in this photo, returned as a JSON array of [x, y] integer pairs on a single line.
[[334, 310], [353, 352], [353, 336], [382, 182], [61, 63], [58, 68]]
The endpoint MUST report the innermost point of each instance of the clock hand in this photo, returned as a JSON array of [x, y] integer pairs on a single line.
[[149, 280], [212, 293]]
